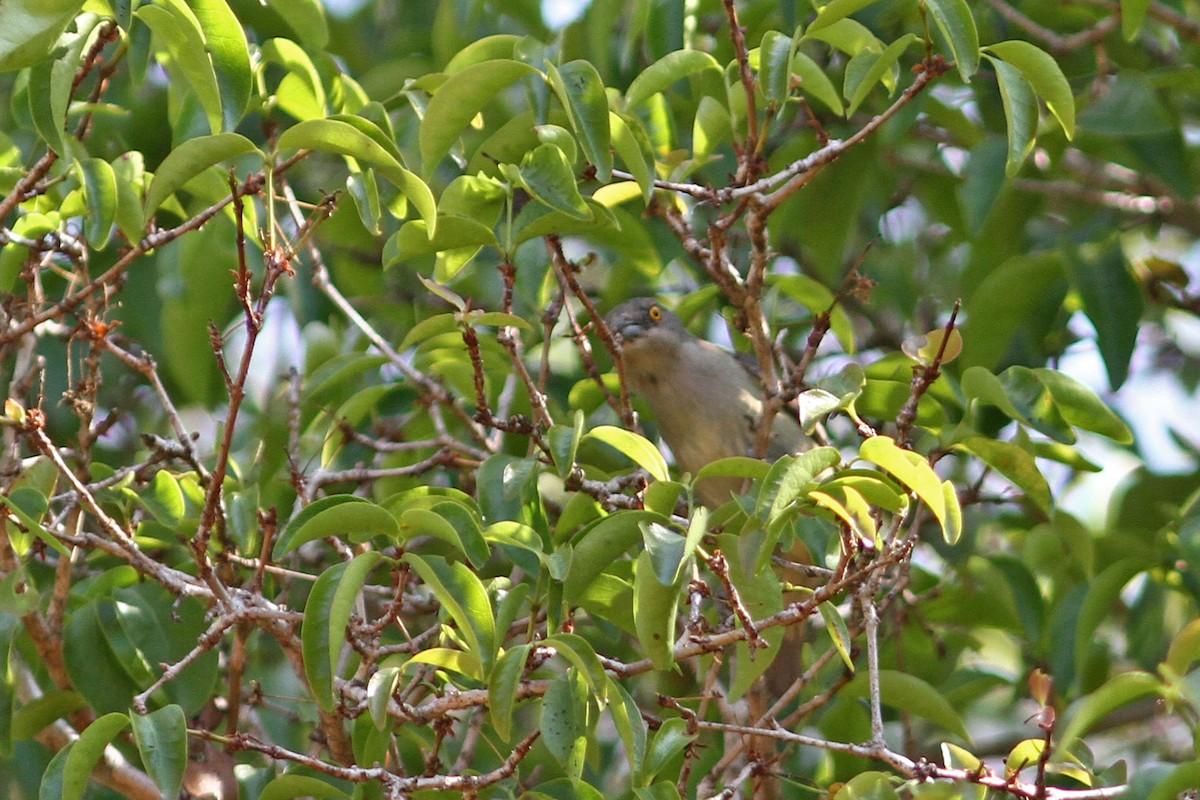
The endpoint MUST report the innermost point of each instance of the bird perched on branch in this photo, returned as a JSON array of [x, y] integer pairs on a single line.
[[706, 400]]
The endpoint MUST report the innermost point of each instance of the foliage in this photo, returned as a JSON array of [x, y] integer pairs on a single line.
[[317, 461]]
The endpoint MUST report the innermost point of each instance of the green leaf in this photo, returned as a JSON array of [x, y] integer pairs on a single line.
[[880, 66], [289, 787], [1015, 463], [775, 65], [1184, 650], [581, 92], [500, 46], [51, 787], [1120, 691], [667, 550], [35, 715], [600, 545], [790, 476], [1044, 76], [190, 159], [660, 75], [1112, 301], [176, 26], [462, 595], [634, 149], [1009, 307], [1103, 593], [455, 232], [450, 523], [669, 741], [100, 188], [49, 94], [1176, 783], [564, 724], [547, 175], [458, 100], [582, 656], [834, 11], [380, 688], [654, 609], [502, 689], [161, 738], [637, 448], [814, 82], [225, 43], [301, 92], [30, 506], [627, 718], [564, 444], [358, 138], [1081, 407], [1020, 113], [912, 470], [29, 29], [343, 516], [761, 596], [839, 634], [735, 467], [909, 693], [86, 753], [957, 24], [306, 18], [326, 616]]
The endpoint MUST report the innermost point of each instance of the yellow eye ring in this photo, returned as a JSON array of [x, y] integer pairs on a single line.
[[655, 313]]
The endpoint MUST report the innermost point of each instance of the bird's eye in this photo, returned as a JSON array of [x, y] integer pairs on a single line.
[[655, 313]]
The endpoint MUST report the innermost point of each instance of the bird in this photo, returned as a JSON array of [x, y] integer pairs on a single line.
[[707, 401]]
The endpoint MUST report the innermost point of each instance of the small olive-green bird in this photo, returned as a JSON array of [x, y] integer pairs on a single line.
[[705, 399]]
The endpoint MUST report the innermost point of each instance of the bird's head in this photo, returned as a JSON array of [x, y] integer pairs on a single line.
[[645, 323]]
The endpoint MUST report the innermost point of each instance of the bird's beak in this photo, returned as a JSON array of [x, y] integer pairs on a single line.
[[626, 330]]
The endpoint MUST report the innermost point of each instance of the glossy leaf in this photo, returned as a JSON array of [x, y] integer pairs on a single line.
[[190, 159], [814, 82], [836, 10], [177, 27], [880, 66], [1118, 692], [289, 787], [363, 142], [564, 722], [637, 448], [451, 523], [1020, 113], [458, 100], [1081, 407], [326, 616], [462, 596], [774, 65], [957, 24], [654, 608], [342, 516], [546, 174], [225, 43], [502, 689], [1044, 75], [662, 74], [628, 721], [582, 93], [600, 545], [914, 471], [909, 693], [161, 738], [86, 753], [30, 28], [1014, 463]]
